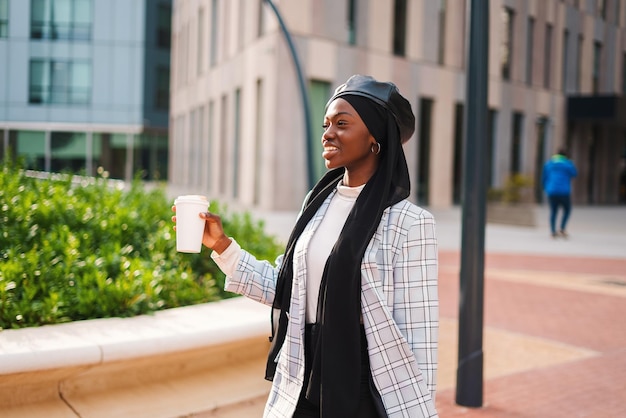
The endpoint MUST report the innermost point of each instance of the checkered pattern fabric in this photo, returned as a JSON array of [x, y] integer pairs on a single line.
[[400, 310]]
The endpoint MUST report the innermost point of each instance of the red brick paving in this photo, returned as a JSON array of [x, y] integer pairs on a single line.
[[590, 265], [593, 387], [589, 387]]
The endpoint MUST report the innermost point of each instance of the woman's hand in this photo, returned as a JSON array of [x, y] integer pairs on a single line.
[[214, 236]]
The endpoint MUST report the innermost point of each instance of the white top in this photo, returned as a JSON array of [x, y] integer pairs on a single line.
[[323, 242]]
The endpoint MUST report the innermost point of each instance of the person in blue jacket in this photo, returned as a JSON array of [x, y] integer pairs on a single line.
[[557, 176]]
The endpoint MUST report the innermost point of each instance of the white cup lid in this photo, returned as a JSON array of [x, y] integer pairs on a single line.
[[191, 198]]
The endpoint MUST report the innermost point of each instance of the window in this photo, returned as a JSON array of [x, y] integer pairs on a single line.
[[540, 155], [593, 169], [192, 165], [261, 20], [223, 138], [236, 167], [200, 47], [624, 73], [457, 168], [214, 33], [258, 143], [352, 22], [516, 143], [61, 19], [492, 140], [111, 151], [564, 60], [423, 149], [196, 162], [68, 152], [601, 9], [32, 149], [530, 36], [241, 23], [4, 18], [579, 64], [202, 150], [210, 139], [7, 144], [59, 82], [597, 63], [547, 68], [162, 96], [442, 32], [164, 26], [186, 52], [399, 28], [319, 91], [150, 155], [181, 138], [506, 47]]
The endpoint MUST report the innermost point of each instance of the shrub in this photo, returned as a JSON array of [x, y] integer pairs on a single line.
[[81, 251], [517, 189]]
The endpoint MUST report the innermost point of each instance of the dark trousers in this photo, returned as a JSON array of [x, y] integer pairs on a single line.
[[368, 406], [559, 202]]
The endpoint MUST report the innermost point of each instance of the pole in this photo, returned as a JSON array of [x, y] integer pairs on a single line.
[[304, 94], [469, 390]]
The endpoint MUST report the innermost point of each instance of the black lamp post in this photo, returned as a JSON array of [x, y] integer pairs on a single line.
[[469, 389]]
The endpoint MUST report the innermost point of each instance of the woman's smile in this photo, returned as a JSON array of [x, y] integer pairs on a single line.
[[329, 151]]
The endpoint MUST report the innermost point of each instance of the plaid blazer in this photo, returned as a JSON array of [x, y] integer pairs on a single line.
[[400, 309]]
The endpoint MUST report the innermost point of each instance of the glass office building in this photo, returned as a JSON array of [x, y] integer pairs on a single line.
[[84, 85]]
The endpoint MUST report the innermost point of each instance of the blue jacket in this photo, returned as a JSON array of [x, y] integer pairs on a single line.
[[557, 175]]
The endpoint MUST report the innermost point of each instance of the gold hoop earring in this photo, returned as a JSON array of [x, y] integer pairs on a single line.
[[372, 148]]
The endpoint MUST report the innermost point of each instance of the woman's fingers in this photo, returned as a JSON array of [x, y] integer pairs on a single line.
[[208, 216]]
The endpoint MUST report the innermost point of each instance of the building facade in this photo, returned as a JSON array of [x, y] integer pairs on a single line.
[[84, 85], [239, 134]]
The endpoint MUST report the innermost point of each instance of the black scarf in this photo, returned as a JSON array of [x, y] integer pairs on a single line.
[[335, 377]]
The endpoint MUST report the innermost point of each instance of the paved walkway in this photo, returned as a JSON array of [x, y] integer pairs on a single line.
[[554, 317]]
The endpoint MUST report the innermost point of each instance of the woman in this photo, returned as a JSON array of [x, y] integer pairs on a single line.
[[355, 294]]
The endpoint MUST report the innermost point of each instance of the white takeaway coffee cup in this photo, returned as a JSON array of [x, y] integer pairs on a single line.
[[189, 225]]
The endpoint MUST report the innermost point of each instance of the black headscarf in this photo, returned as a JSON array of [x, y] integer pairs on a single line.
[[335, 377]]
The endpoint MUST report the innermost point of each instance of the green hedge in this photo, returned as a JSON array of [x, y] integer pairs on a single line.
[[72, 251]]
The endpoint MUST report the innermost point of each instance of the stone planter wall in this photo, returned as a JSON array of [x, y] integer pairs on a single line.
[[171, 364]]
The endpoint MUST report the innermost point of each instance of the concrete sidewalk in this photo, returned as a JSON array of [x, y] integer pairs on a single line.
[[554, 338], [594, 231]]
